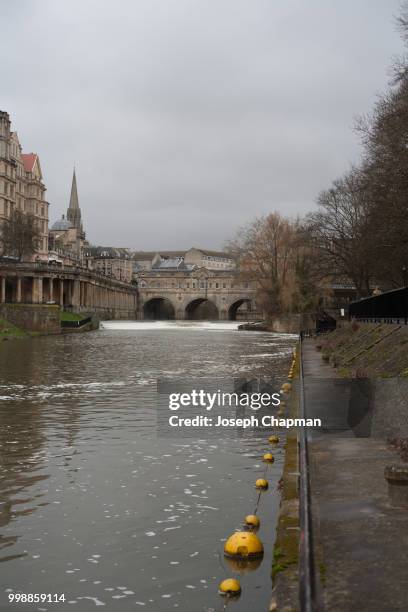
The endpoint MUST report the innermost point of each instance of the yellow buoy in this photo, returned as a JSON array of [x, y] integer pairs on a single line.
[[230, 587], [274, 439], [252, 520], [243, 566], [268, 457], [243, 544], [261, 483]]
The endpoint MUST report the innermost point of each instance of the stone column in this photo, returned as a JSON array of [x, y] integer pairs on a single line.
[[40, 290], [3, 290], [37, 290], [76, 297], [61, 293], [51, 285], [18, 289]]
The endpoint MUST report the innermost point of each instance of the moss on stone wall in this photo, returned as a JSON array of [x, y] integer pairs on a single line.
[[286, 549], [367, 350]]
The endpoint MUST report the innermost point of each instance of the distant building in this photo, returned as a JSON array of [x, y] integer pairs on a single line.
[[211, 260], [67, 234], [109, 261], [144, 260], [21, 184], [202, 258]]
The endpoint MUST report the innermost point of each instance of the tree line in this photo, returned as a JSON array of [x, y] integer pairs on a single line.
[[359, 231]]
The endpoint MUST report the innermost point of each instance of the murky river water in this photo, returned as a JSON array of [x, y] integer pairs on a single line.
[[94, 504]]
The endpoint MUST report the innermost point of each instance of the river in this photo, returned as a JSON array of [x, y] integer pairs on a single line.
[[94, 504]]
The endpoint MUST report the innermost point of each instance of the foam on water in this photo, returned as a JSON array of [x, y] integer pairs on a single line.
[[172, 325]]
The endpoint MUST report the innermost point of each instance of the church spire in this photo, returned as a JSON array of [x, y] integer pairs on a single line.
[[74, 212], [73, 202]]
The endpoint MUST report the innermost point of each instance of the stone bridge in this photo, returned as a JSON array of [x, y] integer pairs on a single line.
[[73, 288], [201, 295]]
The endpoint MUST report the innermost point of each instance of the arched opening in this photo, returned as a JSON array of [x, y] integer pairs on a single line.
[[202, 309], [11, 290], [240, 310], [159, 309]]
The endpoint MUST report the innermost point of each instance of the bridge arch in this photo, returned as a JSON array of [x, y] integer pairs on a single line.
[[235, 306], [159, 309], [202, 309]]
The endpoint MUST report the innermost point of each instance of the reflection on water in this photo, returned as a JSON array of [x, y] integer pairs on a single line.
[[92, 503]]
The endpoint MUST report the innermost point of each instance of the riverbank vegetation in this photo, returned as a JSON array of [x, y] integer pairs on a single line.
[[8, 331], [359, 232], [363, 350], [66, 315]]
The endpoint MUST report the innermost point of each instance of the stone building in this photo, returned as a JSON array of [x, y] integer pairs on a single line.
[[211, 260], [110, 261], [21, 184], [67, 235]]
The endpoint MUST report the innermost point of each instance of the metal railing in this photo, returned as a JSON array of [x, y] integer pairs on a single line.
[[308, 581], [387, 320]]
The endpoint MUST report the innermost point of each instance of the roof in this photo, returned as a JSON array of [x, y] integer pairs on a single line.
[[62, 224], [213, 253], [148, 255], [172, 263], [102, 252], [29, 160]]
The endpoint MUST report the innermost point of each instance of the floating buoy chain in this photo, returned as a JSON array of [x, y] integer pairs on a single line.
[[245, 545]]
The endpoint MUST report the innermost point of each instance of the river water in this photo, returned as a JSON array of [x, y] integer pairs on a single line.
[[94, 504]]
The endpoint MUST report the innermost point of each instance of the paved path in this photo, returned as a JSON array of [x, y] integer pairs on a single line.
[[362, 547]]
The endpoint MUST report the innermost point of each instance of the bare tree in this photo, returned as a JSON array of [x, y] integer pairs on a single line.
[[20, 235], [385, 139], [339, 232], [264, 250]]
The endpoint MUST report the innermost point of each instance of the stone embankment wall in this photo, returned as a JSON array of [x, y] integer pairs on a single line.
[[44, 319], [367, 350], [375, 357]]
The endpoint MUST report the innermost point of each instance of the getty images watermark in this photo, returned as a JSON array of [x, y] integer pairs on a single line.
[[202, 408]]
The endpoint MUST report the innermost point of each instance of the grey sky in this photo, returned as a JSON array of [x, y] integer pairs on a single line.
[[187, 118]]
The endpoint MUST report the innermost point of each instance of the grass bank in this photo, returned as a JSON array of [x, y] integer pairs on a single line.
[[367, 350], [70, 316], [8, 331]]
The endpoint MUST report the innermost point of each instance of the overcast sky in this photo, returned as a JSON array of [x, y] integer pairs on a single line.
[[187, 118]]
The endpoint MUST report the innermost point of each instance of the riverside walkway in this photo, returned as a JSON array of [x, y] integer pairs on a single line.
[[361, 540]]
